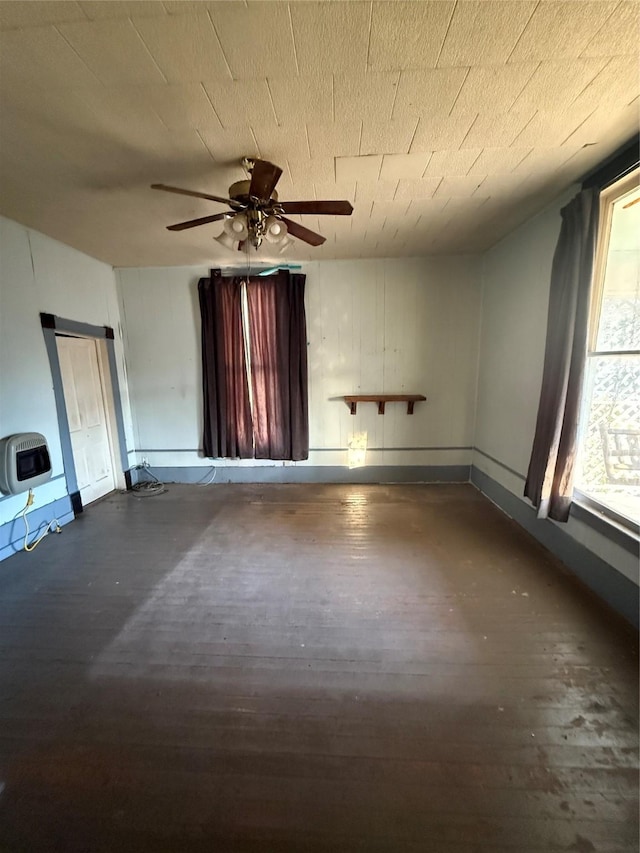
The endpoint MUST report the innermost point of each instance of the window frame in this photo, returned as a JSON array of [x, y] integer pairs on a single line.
[[608, 197], [613, 190]]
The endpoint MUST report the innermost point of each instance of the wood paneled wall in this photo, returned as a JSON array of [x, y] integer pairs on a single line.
[[392, 325]]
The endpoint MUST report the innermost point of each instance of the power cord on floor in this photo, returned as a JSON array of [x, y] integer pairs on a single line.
[[54, 524], [148, 488]]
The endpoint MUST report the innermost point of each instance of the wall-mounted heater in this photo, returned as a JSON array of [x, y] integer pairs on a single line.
[[24, 462]]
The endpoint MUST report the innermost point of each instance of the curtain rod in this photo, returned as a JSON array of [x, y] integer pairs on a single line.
[[624, 160], [234, 271]]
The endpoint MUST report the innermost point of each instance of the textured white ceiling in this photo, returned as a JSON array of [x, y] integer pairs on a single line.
[[444, 123]]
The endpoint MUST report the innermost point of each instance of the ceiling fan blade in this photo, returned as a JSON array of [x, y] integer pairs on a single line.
[[303, 233], [328, 208], [192, 223], [264, 177], [237, 205]]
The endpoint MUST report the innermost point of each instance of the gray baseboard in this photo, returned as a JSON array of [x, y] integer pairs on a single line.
[[312, 474], [617, 590]]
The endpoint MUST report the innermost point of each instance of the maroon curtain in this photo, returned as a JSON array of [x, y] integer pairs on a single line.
[[227, 414], [278, 357], [551, 469]]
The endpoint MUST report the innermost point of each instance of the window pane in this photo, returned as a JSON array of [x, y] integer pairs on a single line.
[[619, 327], [609, 465]]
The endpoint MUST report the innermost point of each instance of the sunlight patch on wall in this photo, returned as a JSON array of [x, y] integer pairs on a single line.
[[357, 450]]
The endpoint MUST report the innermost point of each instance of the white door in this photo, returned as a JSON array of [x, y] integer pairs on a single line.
[[85, 401]]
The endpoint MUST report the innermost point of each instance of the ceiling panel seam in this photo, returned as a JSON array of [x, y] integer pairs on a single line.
[[224, 55], [455, 100], [369, 36], [145, 46], [524, 29], [68, 43], [206, 94], [293, 39], [446, 33]]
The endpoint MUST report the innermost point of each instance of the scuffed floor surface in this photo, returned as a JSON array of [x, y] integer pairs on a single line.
[[310, 668]]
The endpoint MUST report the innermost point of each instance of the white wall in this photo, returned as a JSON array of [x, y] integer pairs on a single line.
[[373, 326], [38, 274], [377, 325], [515, 296]]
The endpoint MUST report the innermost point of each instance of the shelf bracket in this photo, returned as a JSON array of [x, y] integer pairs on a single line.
[[352, 401]]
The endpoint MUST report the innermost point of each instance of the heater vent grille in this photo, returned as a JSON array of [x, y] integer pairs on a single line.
[[30, 443], [24, 462]]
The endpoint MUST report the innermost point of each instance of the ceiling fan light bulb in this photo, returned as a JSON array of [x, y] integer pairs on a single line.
[[225, 239], [237, 227], [284, 244], [276, 230]]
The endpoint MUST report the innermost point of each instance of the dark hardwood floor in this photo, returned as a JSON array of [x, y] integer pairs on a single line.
[[310, 668]]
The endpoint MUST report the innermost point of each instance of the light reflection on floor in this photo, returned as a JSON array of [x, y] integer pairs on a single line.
[[268, 588]]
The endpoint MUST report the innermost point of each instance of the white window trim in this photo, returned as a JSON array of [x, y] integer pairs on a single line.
[[608, 196]]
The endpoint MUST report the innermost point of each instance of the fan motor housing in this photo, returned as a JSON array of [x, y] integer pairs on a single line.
[[240, 191]]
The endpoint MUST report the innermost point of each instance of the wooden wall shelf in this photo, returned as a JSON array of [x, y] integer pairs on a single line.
[[353, 399]]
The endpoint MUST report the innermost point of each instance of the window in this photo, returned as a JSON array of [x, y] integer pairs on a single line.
[[608, 467], [254, 367]]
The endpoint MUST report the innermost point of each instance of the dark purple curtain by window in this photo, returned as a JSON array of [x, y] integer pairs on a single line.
[[278, 356], [227, 415], [551, 469]]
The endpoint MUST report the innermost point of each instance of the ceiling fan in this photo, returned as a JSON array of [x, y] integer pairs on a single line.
[[257, 214]]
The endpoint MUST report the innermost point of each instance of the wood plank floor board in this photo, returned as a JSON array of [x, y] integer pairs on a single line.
[[462, 774], [310, 668]]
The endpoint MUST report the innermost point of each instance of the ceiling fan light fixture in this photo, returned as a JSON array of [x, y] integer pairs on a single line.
[[237, 227], [275, 230], [256, 212], [225, 239]]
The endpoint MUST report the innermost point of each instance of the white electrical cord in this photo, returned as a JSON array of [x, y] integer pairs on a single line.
[[208, 482], [148, 488], [54, 524]]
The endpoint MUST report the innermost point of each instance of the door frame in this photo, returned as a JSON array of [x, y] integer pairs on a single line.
[[52, 326]]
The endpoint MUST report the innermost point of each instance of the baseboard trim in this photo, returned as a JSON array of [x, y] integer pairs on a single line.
[[613, 587], [311, 474], [76, 503], [12, 532]]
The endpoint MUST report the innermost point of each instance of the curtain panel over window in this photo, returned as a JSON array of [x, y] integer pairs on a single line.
[[278, 359], [254, 361], [549, 483], [228, 428]]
